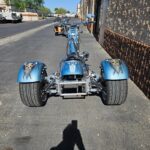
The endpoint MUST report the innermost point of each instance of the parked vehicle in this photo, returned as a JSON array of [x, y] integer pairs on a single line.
[[73, 32], [61, 27], [72, 15], [74, 79], [10, 16], [51, 15], [76, 16]]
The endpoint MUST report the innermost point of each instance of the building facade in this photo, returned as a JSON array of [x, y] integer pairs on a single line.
[[3, 5], [123, 28], [79, 10], [28, 15]]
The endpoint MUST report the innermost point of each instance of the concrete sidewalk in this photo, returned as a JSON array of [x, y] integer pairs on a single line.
[[130, 122], [101, 127], [97, 54]]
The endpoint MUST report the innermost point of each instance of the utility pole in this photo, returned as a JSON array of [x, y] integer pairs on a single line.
[[82, 9], [93, 12]]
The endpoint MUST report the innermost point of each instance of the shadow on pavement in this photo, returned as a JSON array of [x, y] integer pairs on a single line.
[[71, 137]]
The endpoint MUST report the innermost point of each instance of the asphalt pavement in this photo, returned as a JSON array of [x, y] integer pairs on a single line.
[[9, 29], [98, 127]]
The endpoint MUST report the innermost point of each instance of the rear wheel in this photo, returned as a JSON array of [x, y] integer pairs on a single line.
[[33, 94], [114, 92]]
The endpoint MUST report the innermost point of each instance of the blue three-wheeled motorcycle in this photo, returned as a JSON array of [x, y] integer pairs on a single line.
[[74, 78]]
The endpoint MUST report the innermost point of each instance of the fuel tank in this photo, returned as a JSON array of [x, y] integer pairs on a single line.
[[71, 48]]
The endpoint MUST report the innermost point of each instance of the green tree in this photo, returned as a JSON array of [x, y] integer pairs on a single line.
[[22, 4], [7, 2], [32, 4], [60, 10], [44, 11], [19, 4], [56, 9]]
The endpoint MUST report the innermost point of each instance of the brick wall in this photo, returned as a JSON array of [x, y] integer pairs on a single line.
[[135, 54], [130, 18], [127, 36]]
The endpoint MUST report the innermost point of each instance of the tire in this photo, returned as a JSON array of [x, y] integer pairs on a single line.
[[32, 94], [2, 20], [114, 92], [56, 33]]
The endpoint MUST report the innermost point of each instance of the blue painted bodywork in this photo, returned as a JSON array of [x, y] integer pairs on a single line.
[[73, 41], [73, 33], [71, 67], [71, 49], [114, 69], [33, 75], [90, 16]]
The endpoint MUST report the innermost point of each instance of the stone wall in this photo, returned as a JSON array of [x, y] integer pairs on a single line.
[[135, 54], [29, 16], [127, 36], [130, 18], [123, 28]]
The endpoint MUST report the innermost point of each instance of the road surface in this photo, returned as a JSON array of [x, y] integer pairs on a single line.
[[9, 29], [99, 127]]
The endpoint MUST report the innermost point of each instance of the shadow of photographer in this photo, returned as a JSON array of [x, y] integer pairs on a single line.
[[71, 137]]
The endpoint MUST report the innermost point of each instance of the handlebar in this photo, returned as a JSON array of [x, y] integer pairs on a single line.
[[80, 23], [88, 22]]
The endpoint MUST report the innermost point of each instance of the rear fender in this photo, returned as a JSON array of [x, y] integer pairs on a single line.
[[31, 72], [114, 69], [71, 67]]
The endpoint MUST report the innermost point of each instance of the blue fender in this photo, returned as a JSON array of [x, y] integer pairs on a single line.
[[114, 69], [31, 72], [71, 67]]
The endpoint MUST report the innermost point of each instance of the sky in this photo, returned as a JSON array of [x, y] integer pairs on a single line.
[[70, 5]]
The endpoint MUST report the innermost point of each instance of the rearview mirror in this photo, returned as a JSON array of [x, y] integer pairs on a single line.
[[90, 16]]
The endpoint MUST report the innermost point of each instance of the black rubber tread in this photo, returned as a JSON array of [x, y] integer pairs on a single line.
[[30, 94], [56, 34], [116, 92]]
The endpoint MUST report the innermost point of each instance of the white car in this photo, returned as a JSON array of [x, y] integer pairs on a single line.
[[10, 16], [70, 15]]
